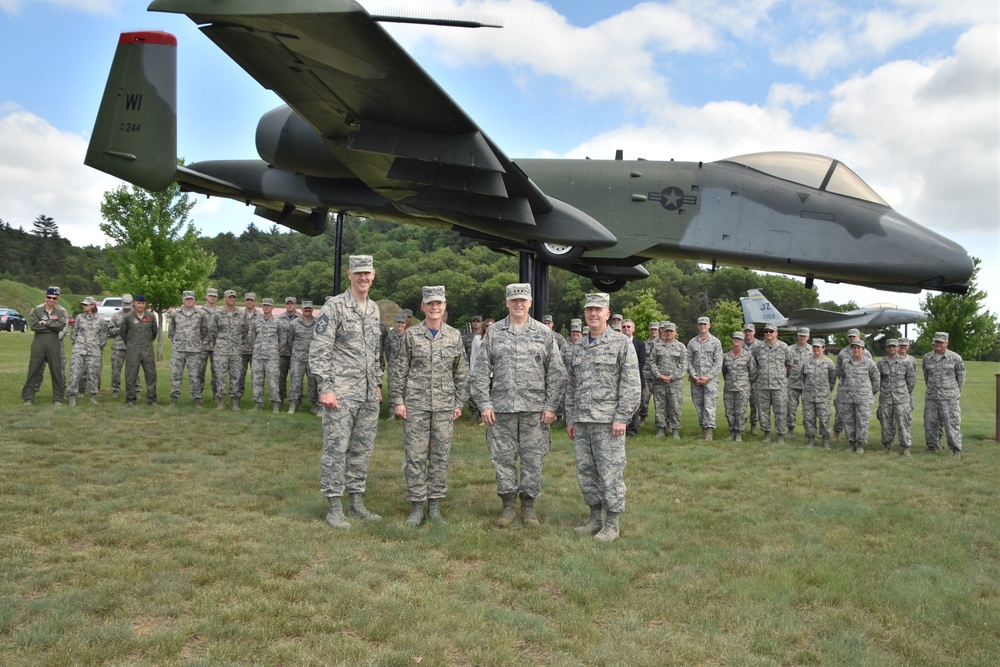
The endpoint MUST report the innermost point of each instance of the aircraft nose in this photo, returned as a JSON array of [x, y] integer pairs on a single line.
[[940, 263]]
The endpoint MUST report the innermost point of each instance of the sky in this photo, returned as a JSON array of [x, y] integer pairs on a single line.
[[905, 92]]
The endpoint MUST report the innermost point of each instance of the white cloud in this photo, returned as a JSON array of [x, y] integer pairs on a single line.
[[86, 6]]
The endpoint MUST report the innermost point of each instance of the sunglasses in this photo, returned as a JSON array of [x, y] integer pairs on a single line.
[[51, 298]]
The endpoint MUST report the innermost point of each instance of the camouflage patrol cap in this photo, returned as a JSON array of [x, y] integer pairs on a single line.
[[433, 293], [188, 294], [476, 318], [858, 342], [267, 301], [211, 291], [737, 335], [654, 325], [770, 327], [819, 342], [89, 301], [407, 313], [126, 300], [749, 326], [940, 336], [401, 318], [668, 326], [291, 299], [251, 296], [307, 304], [803, 331], [854, 332], [518, 291], [616, 316], [892, 342], [361, 264], [704, 320], [904, 342], [598, 300], [575, 325], [228, 293], [547, 319]]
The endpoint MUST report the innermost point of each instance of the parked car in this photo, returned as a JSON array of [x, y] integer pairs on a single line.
[[109, 307], [11, 320]]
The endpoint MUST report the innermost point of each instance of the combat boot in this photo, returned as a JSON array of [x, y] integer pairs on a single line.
[[767, 436], [854, 446], [72, 399], [416, 514], [434, 511], [791, 431], [860, 449], [114, 394], [236, 404], [906, 451], [708, 433], [781, 439], [811, 442], [357, 508], [594, 524], [676, 434], [660, 432], [256, 406], [275, 407], [753, 429], [609, 533], [314, 409], [220, 404], [173, 402], [93, 399], [291, 407], [335, 515], [197, 402], [507, 512], [739, 437], [528, 517], [826, 442]]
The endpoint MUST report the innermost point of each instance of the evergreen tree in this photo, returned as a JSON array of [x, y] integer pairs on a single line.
[[972, 329], [45, 227]]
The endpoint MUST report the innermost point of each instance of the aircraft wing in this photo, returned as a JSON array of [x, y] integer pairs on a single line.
[[383, 116], [806, 317]]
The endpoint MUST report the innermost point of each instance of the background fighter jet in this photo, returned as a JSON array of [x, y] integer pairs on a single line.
[[757, 309], [367, 132]]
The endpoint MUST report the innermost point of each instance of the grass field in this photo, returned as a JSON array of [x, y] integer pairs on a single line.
[[152, 536]]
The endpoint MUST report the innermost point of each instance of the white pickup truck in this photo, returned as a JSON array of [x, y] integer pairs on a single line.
[[109, 307]]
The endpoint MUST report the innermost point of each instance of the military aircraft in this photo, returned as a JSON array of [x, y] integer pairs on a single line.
[[757, 309], [365, 131]]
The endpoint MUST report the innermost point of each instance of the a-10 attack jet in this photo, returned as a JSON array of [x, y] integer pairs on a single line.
[[365, 131], [878, 316]]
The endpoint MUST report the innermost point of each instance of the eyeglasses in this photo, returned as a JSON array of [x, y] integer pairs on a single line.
[[51, 298]]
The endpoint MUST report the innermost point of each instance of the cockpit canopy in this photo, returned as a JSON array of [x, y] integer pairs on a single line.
[[814, 171]]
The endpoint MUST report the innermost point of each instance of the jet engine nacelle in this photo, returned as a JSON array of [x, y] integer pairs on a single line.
[[286, 141]]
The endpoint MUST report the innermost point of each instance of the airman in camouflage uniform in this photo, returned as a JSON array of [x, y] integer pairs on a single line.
[[859, 382], [817, 376], [904, 354], [550, 323], [896, 380], [944, 375], [227, 331], [429, 385], [670, 362], [208, 346], [188, 331], [750, 343], [647, 374], [47, 320], [300, 335], [344, 355], [89, 335], [602, 394], [250, 315], [801, 352], [267, 335], [393, 344], [118, 345], [139, 330], [704, 366], [518, 383], [842, 357], [285, 353], [472, 338], [774, 359], [738, 370]]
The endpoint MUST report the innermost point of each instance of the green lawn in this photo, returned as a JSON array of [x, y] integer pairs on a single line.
[[152, 536]]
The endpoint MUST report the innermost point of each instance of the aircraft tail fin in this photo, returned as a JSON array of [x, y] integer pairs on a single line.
[[135, 135], [756, 308]]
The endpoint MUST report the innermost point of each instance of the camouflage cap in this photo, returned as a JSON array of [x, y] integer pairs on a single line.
[[770, 327], [291, 299], [188, 294], [252, 296], [598, 300], [126, 299], [89, 301], [267, 301], [854, 332], [476, 318], [307, 304], [407, 313], [819, 342], [737, 335], [53, 290], [229, 292], [433, 293], [518, 291], [940, 336], [361, 264], [401, 318], [803, 331], [704, 320], [547, 319], [654, 325], [575, 325], [668, 326], [892, 342], [615, 316], [904, 342], [211, 291], [858, 342], [749, 326]]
